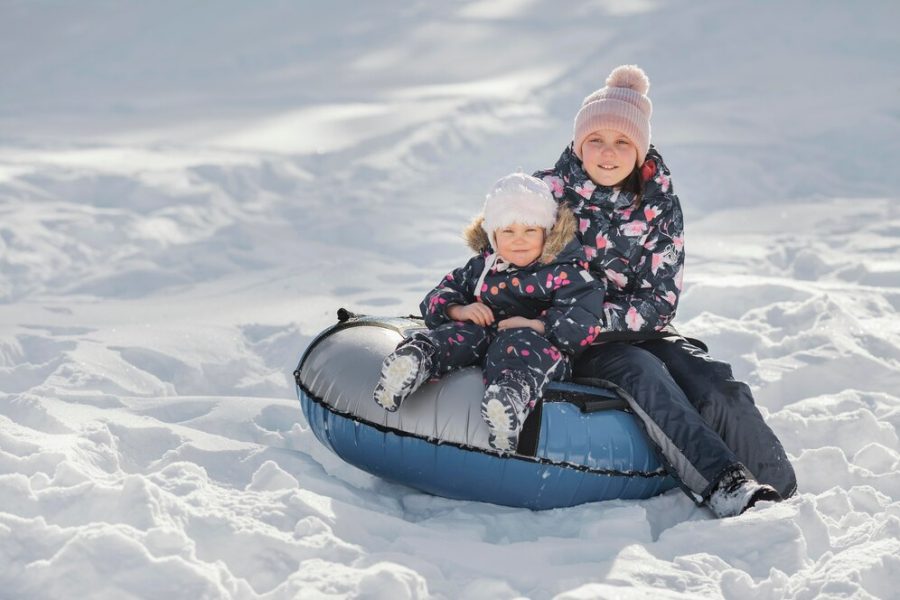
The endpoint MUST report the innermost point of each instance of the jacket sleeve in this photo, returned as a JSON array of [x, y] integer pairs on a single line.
[[573, 320], [457, 287], [651, 303]]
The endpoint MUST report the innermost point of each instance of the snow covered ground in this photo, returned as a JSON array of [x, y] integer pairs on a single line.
[[188, 192]]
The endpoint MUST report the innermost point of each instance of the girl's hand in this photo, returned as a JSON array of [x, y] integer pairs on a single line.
[[514, 322], [476, 312]]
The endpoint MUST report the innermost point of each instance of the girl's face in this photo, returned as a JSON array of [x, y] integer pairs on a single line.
[[520, 244], [608, 157]]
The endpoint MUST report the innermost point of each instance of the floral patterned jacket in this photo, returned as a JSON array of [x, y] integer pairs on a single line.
[[557, 288], [635, 245]]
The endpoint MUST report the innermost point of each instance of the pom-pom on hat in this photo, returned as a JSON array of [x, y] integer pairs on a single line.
[[622, 105], [518, 198]]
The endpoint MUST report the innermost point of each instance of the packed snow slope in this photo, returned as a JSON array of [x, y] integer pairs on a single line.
[[188, 192]]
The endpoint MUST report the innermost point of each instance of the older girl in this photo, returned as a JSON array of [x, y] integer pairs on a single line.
[[704, 423]]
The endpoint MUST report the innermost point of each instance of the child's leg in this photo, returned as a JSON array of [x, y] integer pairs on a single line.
[[458, 345], [519, 365], [425, 355]]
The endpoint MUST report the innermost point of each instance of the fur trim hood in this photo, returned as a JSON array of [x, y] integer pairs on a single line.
[[558, 238]]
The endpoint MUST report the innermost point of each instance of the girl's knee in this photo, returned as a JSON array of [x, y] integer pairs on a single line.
[[623, 358], [521, 343], [522, 335], [469, 327]]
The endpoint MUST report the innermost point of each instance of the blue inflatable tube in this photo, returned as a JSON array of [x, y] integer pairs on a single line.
[[579, 446]]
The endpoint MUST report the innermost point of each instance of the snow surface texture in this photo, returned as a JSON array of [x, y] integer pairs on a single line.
[[188, 191]]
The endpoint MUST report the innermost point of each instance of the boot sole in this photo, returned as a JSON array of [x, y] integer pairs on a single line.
[[398, 378], [498, 417]]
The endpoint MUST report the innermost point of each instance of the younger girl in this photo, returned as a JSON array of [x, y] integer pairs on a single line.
[[519, 308], [704, 423]]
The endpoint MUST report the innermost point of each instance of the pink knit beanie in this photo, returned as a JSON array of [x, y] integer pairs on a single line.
[[622, 105]]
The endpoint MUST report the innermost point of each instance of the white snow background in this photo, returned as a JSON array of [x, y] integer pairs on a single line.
[[189, 190]]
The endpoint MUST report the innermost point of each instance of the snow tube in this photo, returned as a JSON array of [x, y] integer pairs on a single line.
[[579, 445]]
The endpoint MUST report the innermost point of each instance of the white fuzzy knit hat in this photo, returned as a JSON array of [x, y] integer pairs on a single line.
[[622, 106], [518, 198]]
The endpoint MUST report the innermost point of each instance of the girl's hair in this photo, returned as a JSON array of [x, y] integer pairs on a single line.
[[634, 184]]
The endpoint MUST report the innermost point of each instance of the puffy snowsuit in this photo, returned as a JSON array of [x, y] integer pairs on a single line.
[[557, 289], [703, 421]]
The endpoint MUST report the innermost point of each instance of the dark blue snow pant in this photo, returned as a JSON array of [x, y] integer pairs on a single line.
[[703, 421], [519, 357]]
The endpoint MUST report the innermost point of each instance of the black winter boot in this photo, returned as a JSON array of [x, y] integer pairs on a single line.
[[403, 372], [504, 409], [736, 492]]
